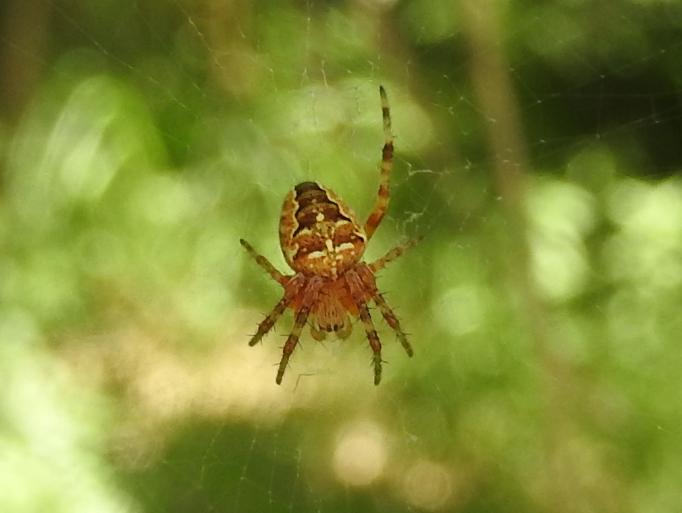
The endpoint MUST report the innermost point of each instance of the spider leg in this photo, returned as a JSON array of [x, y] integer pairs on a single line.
[[264, 263], [393, 322], [379, 264], [292, 287], [373, 338], [291, 342], [270, 320], [386, 165], [355, 285]]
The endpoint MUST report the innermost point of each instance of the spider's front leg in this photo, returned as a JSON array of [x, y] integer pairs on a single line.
[[266, 324], [373, 338], [292, 341], [309, 298], [358, 294], [366, 275], [291, 289], [393, 322]]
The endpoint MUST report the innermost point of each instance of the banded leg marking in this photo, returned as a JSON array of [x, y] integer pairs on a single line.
[[379, 264], [292, 341], [386, 166], [264, 263], [373, 338], [393, 322], [270, 320]]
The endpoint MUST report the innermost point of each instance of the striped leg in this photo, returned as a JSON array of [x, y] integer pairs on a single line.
[[393, 322], [264, 263], [383, 195], [377, 265], [267, 323], [373, 338], [356, 289], [291, 342]]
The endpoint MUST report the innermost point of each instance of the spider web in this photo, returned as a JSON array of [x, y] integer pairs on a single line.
[[187, 138]]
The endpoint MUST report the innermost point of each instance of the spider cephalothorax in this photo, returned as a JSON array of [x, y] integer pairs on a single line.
[[323, 243]]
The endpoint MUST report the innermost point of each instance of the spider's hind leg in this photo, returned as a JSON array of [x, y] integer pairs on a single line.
[[383, 195]]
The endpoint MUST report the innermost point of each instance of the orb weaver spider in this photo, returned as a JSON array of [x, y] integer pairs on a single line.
[[323, 243]]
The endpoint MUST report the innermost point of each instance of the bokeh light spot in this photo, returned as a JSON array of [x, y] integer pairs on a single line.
[[428, 485], [360, 454]]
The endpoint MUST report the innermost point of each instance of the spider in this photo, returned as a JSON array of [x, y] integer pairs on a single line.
[[323, 243]]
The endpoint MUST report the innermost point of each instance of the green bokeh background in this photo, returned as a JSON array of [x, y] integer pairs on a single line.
[[538, 154]]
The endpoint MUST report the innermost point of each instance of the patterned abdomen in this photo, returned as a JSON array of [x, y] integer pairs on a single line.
[[318, 233]]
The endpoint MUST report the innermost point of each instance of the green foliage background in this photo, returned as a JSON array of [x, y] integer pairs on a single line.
[[538, 153]]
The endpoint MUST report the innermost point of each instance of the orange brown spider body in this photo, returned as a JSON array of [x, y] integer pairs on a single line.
[[323, 243], [318, 232]]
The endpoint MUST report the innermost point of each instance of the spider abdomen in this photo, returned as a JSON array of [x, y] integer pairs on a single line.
[[319, 233]]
